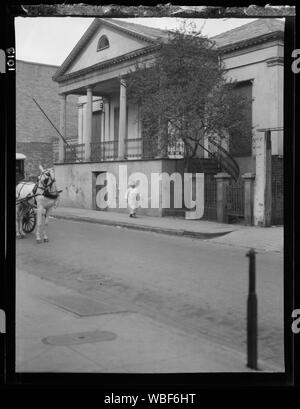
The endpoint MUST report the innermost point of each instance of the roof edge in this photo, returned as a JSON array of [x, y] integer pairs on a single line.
[[79, 45], [37, 63], [89, 33], [250, 41]]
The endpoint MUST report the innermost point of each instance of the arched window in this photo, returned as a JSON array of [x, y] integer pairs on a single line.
[[102, 43]]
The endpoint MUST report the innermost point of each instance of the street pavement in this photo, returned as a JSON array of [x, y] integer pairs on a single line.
[[182, 302], [259, 238], [139, 344]]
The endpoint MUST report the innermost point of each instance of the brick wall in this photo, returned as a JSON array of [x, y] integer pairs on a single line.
[[34, 134], [36, 153], [277, 190]]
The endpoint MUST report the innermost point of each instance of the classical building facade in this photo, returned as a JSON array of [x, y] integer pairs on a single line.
[[109, 131]]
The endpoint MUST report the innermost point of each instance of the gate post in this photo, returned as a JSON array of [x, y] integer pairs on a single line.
[[263, 192], [248, 197], [222, 183]]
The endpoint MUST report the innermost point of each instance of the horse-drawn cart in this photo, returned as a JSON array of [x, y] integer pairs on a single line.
[[29, 213], [25, 204]]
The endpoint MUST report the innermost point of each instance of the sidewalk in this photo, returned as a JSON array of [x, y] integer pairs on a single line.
[[259, 238], [52, 339]]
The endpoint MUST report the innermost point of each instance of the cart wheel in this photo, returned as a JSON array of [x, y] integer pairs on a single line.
[[29, 220]]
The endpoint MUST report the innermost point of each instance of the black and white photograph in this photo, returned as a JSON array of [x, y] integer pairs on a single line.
[[149, 200]]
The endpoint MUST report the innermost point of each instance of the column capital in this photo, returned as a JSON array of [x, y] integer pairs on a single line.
[[89, 88], [248, 175], [123, 82], [275, 61], [222, 175]]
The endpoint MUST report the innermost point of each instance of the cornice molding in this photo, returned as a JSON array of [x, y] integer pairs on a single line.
[[86, 37], [275, 61], [251, 41], [105, 64]]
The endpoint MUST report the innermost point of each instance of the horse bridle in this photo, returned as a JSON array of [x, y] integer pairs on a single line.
[[43, 184]]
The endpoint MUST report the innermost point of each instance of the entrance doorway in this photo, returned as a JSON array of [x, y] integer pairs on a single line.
[[99, 181]]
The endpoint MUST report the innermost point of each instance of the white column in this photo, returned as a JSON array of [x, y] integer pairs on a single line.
[[102, 122], [106, 119], [275, 104], [80, 123], [63, 126], [122, 119], [262, 195], [88, 123]]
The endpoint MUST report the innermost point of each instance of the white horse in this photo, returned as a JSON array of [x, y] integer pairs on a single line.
[[45, 198]]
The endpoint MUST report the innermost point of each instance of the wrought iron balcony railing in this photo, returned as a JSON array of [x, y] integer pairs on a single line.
[[139, 148], [134, 148], [101, 151], [74, 152]]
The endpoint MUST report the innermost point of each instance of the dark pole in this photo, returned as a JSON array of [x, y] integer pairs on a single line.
[[252, 314], [64, 140]]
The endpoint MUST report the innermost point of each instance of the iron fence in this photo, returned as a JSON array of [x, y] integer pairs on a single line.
[[150, 148], [176, 150], [277, 190], [134, 148], [101, 151], [235, 198], [74, 152], [55, 152], [210, 197]]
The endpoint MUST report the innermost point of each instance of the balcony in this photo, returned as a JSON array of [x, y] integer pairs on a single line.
[[102, 151], [135, 149], [74, 152]]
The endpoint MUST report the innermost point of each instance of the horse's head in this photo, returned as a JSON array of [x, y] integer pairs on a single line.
[[47, 180]]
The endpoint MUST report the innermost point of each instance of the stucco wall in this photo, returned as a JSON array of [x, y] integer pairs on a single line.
[[77, 182], [267, 90]]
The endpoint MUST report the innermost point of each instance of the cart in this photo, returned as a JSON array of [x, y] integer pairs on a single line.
[[28, 205]]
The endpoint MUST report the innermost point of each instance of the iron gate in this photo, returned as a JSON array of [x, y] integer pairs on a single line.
[[277, 190], [210, 197], [235, 199]]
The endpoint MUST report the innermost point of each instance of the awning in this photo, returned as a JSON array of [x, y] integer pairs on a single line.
[[20, 156]]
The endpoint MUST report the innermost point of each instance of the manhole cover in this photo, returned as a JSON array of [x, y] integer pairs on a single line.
[[83, 306], [90, 277], [79, 338]]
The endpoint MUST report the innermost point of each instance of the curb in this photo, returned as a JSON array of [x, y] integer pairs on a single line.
[[161, 230]]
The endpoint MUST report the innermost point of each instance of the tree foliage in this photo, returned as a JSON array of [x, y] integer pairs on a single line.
[[184, 93]]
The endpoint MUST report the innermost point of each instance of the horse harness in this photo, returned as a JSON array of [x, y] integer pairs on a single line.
[[46, 190]]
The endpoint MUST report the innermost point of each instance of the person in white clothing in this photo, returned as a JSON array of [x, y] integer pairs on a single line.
[[131, 196]]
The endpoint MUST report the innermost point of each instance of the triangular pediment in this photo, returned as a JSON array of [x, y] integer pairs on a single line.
[[121, 41]]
